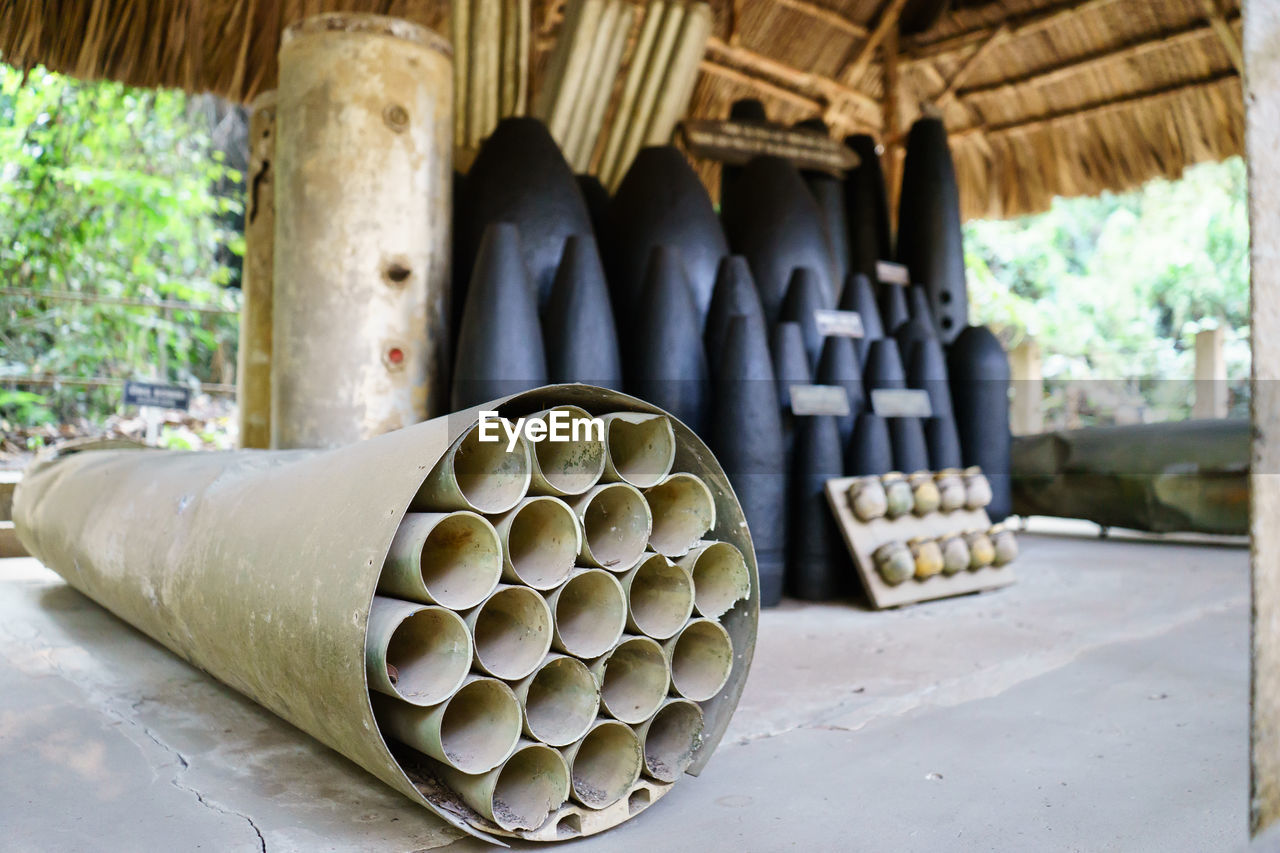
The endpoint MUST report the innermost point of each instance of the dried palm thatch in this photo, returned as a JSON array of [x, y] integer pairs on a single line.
[[1042, 97]]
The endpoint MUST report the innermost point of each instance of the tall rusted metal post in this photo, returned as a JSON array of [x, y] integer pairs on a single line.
[[253, 370], [363, 180]]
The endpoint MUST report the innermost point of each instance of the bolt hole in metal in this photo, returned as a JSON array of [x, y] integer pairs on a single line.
[[638, 800], [396, 117], [396, 272]]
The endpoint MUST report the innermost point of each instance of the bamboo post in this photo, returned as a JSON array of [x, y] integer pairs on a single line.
[[1026, 416], [253, 371], [1211, 375], [364, 173], [1261, 118]]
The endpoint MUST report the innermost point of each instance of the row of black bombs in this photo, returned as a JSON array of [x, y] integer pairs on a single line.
[[921, 493], [548, 620], [924, 557], [713, 319]]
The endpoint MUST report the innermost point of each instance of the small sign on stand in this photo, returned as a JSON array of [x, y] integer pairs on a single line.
[[152, 399]]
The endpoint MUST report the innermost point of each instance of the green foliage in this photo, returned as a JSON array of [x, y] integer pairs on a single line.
[[113, 191], [1116, 287]]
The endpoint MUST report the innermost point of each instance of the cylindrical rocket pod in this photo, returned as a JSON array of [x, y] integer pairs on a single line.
[[418, 654], [259, 567], [561, 700], [669, 739], [616, 525], [659, 597], [701, 657], [633, 678], [642, 449], [472, 731], [604, 764], [590, 611], [683, 510], [478, 473], [511, 631], [522, 793], [720, 577], [571, 464], [452, 559], [540, 538]]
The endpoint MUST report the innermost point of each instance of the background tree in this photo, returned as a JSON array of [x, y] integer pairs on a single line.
[[1115, 288], [120, 192]]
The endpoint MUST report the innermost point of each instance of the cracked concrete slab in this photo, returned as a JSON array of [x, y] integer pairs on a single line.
[[973, 723], [110, 742]]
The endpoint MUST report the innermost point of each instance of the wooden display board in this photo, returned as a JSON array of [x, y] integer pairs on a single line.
[[864, 537]]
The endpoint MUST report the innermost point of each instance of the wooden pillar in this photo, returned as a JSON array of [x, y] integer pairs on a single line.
[[1211, 375], [253, 371], [1026, 416], [1262, 121]]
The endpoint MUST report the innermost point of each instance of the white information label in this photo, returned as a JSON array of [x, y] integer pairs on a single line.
[[819, 400], [890, 273], [901, 403], [840, 324]]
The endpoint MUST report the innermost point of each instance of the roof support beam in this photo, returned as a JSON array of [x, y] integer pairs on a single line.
[[888, 21], [1054, 73], [1225, 34], [832, 91], [826, 16], [1095, 109], [764, 87], [925, 51], [962, 73]]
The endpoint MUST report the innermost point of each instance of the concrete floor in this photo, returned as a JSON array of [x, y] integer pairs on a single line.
[[1101, 703]]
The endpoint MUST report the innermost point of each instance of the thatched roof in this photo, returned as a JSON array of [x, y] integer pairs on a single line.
[[1041, 97]]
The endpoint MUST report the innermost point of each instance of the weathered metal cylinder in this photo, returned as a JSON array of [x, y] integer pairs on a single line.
[[363, 184], [253, 367]]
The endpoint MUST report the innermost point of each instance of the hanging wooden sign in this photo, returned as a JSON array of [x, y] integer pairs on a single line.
[[736, 142]]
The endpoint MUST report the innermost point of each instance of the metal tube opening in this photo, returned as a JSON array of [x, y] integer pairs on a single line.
[[642, 448], [561, 701], [452, 559], [480, 726], [701, 658], [512, 632], [472, 731], [490, 479], [419, 654], [659, 597], [670, 738], [720, 578], [590, 613], [530, 786], [604, 764], [541, 539], [634, 679], [615, 526], [568, 467], [683, 510]]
